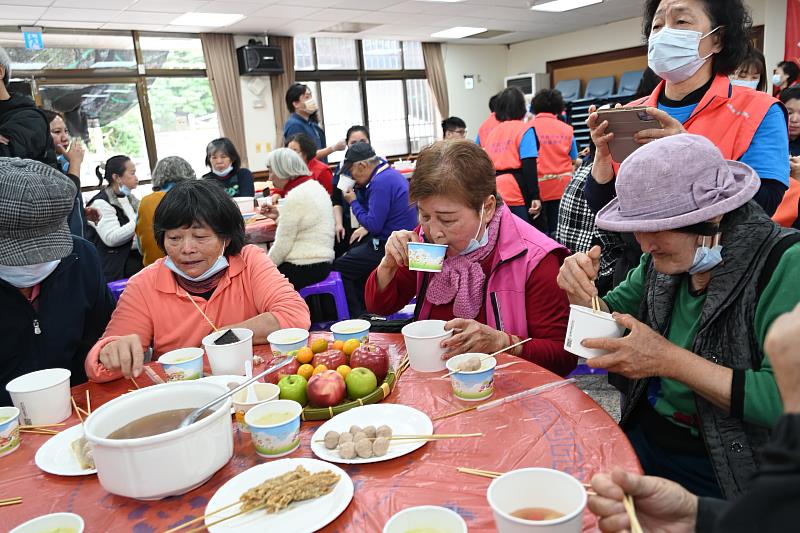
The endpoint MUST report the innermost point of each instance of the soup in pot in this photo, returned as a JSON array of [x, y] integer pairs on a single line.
[[154, 424]]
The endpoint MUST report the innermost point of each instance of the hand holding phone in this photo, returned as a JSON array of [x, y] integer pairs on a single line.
[[626, 123]]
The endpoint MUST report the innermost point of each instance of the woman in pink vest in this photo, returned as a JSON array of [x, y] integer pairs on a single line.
[[498, 282]]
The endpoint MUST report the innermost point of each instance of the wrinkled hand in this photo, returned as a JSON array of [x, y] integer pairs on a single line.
[[602, 171], [270, 211], [3, 140], [576, 276], [396, 250], [340, 232], [470, 336], [358, 234], [794, 167], [124, 354], [75, 153], [783, 350], [92, 214], [642, 353], [669, 126], [535, 209], [349, 196], [339, 146], [662, 506]]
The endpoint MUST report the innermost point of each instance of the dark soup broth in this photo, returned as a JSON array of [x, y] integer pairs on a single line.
[[537, 513], [154, 424]]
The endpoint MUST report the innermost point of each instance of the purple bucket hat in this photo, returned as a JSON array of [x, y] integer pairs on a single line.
[[676, 182]]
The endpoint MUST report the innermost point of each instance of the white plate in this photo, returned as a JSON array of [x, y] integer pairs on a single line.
[[299, 517], [403, 420], [55, 456]]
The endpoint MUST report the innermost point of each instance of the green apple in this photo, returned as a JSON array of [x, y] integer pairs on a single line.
[[293, 387], [360, 382]]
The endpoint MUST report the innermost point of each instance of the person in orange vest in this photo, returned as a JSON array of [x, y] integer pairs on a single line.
[[787, 213], [558, 152], [488, 125], [513, 148]]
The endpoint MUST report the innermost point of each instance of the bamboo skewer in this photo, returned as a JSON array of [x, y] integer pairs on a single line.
[[155, 378], [77, 410], [627, 501], [201, 518], [11, 501], [134, 384], [41, 426], [240, 513], [39, 431], [442, 436], [485, 357], [89, 400], [492, 475], [201, 311]]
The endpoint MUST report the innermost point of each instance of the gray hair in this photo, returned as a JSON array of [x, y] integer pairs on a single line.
[[5, 62], [172, 169], [287, 164]]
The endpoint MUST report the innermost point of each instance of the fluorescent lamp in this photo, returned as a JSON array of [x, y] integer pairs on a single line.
[[559, 6], [458, 32], [208, 20]]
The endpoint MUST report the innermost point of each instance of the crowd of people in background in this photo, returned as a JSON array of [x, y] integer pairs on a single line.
[[690, 242]]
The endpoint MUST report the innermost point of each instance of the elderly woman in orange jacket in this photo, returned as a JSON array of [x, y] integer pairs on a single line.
[[207, 265]]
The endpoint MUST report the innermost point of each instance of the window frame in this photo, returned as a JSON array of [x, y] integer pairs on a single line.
[[362, 75]]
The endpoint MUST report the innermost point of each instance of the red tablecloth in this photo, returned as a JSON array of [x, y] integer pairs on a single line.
[[261, 231], [561, 429]]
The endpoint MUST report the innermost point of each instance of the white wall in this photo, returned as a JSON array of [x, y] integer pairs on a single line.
[[772, 13]]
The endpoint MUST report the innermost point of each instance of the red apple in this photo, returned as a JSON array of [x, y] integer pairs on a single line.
[[288, 370], [326, 389], [373, 357], [332, 359]]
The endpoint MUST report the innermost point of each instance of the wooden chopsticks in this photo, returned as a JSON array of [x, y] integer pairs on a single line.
[[596, 306], [485, 357], [201, 518], [11, 501], [491, 475], [627, 501]]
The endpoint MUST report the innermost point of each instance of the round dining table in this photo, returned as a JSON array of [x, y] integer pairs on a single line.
[[562, 428]]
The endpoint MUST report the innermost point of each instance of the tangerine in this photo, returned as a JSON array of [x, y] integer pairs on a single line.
[[350, 346], [320, 368], [338, 345], [319, 345], [306, 371], [304, 355], [343, 370]]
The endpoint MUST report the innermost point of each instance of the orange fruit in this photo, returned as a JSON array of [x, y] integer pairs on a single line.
[[320, 368], [343, 370], [319, 345], [350, 347], [338, 345], [306, 371], [304, 355]]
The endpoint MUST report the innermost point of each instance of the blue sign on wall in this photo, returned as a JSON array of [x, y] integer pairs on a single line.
[[33, 40]]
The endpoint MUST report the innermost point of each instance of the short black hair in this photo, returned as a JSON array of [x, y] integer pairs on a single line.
[[790, 93], [452, 123], [224, 145], [548, 101], [510, 105], [307, 145], [733, 18], [354, 129], [201, 201], [755, 58], [493, 102], [293, 94], [791, 69]]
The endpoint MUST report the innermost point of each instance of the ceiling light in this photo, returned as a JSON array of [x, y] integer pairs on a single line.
[[208, 20], [458, 32], [559, 6]]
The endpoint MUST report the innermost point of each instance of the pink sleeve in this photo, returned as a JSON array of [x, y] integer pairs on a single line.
[[272, 292], [132, 316]]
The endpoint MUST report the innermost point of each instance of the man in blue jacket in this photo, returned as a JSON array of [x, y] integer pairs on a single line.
[[304, 118], [381, 207], [55, 301]]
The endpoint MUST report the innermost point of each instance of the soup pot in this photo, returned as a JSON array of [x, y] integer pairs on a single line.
[[168, 464]]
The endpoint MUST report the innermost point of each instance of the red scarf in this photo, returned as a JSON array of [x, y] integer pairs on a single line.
[[291, 185]]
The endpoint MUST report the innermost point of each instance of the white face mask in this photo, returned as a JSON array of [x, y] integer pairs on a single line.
[[751, 84], [674, 54], [776, 79], [311, 105], [23, 277], [220, 264], [223, 172], [474, 243]]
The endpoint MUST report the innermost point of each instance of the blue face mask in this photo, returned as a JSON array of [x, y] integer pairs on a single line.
[[474, 243], [124, 189], [26, 276], [750, 84], [223, 172], [674, 54], [706, 258], [220, 264]]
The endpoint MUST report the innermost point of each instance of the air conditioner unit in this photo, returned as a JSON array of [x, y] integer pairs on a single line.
[[528, 83], [259, 60]]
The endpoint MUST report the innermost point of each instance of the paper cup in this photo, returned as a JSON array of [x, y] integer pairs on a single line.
[[183, 364], [275, 439], [587, 324], [538, 488], [426, 518], [246, 204], [9, 430], [475, 385], [287, 340], [228, 359], [346, 183], [262, 201], [422, 340], [42, 397], [351, 329], [265, 392], [52, 522], [426, 257]]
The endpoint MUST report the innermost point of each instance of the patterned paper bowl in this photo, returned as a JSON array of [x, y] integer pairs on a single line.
[[9, 430], [183, 365], [474, 385], [275, 427], [287, 340], [351, 329]]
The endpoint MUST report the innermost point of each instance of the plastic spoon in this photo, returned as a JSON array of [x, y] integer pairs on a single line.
[[252, 397]]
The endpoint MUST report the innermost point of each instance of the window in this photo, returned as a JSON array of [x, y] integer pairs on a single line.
[[172, 53], [384, 86], [71, 51]]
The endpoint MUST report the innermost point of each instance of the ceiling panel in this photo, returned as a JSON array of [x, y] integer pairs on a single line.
[[339, 15], [128, 26], [80, 15], [244, 8], [91, 4], [286, 12], [69, 24], [172, 6], [22, 12], [372, 5]]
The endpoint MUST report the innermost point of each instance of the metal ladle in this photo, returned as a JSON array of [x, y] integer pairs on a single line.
[[194, 415]]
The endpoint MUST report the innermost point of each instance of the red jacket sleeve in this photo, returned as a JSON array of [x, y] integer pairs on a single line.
[[547, 309], [397, 294]]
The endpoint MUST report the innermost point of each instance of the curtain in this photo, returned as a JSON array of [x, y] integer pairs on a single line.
[[223, 77], [437, 79], [281, 84]]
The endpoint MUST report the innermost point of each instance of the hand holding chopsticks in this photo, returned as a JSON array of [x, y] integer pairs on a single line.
[[498, 352]]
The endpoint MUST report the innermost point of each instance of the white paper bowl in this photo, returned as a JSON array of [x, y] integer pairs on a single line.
[[355, 328], [9, 430], [43, 396], [422, 340], [51, 522], [587, 324], [168, 464], [228, 359], [285, 341], [426, 518]]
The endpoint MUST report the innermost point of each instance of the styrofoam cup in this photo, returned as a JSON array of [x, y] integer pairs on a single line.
[[346, 183], [43, 396], [426, 518], [422, 340], [537, 487], [228, 359], [584, 323]]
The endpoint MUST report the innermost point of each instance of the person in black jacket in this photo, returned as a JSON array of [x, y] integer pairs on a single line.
[[768, 506], [24, 130], [54, 298], [226, 169]]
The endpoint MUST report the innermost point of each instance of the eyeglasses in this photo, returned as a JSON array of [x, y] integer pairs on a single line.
[[462, 131]]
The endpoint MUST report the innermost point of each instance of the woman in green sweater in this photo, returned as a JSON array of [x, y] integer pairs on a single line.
[[715, 273]]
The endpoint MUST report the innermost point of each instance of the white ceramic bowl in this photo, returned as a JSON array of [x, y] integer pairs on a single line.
[[52, 522], [426, 518], [422, 340], [228, 359], [43, 396], [163, 465]]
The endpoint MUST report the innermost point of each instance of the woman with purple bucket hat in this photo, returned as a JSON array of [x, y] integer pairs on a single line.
[[715, 273]]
